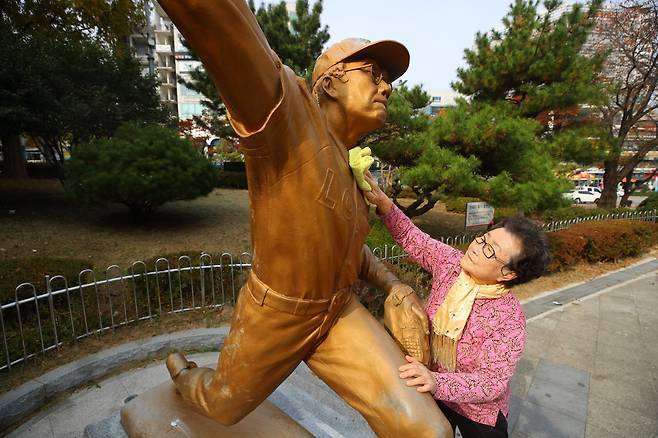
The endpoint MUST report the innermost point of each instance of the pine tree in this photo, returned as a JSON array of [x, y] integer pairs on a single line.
[[143, 166], [525, 85]]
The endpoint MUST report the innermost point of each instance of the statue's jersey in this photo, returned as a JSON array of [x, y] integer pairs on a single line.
[[309, 220]]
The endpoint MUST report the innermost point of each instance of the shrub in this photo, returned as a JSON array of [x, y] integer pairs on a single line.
[[600, 242], [650, 203], [141, 167]]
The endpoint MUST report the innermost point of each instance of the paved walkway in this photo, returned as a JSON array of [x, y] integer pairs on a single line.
[[590, 369]]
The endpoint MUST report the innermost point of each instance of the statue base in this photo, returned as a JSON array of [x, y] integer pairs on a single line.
[[161, 412]]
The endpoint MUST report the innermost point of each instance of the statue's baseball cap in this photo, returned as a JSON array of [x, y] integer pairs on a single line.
[[392, 56]]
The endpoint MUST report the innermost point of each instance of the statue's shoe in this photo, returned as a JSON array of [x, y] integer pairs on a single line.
[[161, 412]]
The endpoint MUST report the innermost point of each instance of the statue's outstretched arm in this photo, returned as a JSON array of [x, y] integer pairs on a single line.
[[235, 53]]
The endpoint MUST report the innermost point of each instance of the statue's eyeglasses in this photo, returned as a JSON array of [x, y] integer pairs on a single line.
[[375, 71]]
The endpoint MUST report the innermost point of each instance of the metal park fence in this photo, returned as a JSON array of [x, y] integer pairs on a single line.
[[41, 320]]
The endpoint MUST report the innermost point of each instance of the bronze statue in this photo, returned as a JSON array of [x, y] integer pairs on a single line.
[[308, 221]]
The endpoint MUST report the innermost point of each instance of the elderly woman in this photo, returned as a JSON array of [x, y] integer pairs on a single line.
[[477, 326]]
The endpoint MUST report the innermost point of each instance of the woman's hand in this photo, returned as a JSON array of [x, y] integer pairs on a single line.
[[418, 375], [377, 197]]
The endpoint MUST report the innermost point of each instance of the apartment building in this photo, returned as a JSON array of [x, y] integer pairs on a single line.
[[160, 49], [441, 99]]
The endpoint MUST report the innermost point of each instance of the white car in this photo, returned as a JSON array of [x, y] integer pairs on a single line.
[[593, 189], [581, 196]]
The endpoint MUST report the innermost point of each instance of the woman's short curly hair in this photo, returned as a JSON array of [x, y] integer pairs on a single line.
[[535, 253]]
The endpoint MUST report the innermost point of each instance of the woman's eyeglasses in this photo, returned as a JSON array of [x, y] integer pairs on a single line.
[[490, 253]]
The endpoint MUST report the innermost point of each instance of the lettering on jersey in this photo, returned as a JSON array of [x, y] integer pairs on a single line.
[[324, 197], [348, 204]]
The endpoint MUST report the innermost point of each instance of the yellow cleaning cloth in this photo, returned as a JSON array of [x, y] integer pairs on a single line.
[[360, 161]]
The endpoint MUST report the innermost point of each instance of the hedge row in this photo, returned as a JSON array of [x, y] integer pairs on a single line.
[[600, 241]]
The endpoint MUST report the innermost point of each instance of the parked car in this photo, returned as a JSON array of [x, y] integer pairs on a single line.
[[594, 189], [591, 189], [580, 196]]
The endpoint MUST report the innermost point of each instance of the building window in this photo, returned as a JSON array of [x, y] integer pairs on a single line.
[[185, 91], [436, 98], [189, 110]]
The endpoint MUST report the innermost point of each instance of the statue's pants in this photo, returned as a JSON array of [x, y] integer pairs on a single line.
[[342, 343]]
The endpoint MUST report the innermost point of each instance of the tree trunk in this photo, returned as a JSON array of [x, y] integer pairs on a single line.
[[415, 208], [610, 180], [12, 154]]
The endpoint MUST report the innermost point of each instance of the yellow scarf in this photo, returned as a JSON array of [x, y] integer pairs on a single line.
[[451, 316]]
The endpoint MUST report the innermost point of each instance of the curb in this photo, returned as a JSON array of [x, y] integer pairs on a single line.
[[29, 397]]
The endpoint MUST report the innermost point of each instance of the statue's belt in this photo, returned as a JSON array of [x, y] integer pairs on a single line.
[[263, 295]]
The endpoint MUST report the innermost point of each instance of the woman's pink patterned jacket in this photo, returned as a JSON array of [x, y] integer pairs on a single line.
[[493, 339]]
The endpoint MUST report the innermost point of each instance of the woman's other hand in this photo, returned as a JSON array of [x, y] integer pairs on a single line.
[[418, 375], [377, 197]]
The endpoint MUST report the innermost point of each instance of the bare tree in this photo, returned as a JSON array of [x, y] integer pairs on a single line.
[[629, 30]]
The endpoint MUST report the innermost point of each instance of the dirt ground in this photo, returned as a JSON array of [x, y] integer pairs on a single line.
[[36, 218]]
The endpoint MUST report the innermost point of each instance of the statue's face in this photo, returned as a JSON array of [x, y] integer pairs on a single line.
[[364, 94]]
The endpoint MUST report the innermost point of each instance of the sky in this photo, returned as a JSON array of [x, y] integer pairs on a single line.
[[436, 32]]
